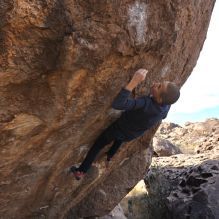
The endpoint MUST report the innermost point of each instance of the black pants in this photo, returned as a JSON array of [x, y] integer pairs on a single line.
[[107, 136]]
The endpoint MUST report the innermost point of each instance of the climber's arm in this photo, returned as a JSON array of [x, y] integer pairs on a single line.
[[122, 100]]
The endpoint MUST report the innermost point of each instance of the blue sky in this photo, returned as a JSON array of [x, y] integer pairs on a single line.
[[199, 98]]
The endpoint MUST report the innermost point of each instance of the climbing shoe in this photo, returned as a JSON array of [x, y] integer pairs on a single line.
[[77, 174]]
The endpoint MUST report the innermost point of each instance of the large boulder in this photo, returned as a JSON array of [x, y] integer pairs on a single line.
[[62, 63]]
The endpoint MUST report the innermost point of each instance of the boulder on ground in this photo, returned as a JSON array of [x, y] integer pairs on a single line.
[[163, 147]]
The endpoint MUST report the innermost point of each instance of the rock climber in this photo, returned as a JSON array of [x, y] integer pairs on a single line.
[[139, 115]]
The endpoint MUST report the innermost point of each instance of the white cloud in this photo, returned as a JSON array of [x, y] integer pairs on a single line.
[[201, 90]]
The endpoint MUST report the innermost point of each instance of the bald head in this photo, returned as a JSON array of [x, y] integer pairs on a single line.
[[170, 94]]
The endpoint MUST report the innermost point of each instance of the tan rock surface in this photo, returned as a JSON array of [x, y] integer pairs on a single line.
[[61, 64]]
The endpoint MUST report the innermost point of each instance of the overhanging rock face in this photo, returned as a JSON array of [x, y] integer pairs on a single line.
[[62, 63]]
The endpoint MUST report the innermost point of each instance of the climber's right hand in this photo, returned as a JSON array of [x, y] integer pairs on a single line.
[[139, 75]]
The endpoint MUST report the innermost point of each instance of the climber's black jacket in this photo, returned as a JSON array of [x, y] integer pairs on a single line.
[[139, 114]]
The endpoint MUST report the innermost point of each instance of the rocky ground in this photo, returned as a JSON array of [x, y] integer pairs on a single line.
[[191, 183], [191, 138], [183, 180]]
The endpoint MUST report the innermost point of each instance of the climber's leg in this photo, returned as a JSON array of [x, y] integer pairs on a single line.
[[99, 144], [117, 143], [105, 138]]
